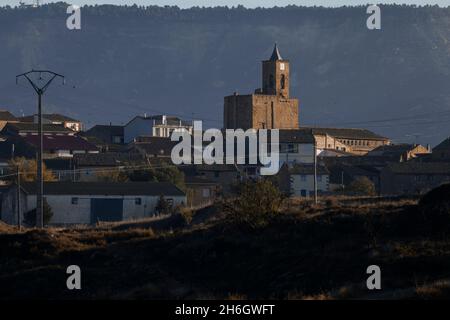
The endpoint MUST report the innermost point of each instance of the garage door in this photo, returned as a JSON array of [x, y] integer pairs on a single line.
[[106, 210]]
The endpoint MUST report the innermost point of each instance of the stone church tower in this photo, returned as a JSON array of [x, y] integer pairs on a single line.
[[269, 107]]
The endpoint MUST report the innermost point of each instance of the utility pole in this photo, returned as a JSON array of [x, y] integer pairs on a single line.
[[315, 171], [19, 224], [40, 90]]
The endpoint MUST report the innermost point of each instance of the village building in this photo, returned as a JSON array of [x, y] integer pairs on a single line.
[[296, 146], [91, 202], [350, 140], [201, 192], [61, 168], [154, 126], [107, 138], [89, 167], [442, 151], [399, 152], [342, 175], [298, 179], [412, 177], [22, 140], [151, 147], [54, 118], [5, 117], [225, 175], [269, 107]]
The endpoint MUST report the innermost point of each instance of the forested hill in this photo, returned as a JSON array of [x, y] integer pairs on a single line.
[[130, 60]]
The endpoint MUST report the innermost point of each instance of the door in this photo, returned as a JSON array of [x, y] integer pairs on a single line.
[[106, 210]]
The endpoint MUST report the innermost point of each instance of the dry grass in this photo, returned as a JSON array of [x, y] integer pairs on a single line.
[[308, 252]]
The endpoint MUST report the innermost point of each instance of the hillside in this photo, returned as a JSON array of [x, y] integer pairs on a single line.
[[317, 252], [130, 60]]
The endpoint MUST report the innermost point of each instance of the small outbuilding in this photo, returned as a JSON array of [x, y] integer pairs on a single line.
[[90, 202]]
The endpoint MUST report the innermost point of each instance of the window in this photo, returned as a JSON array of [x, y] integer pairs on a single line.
[[117, 139], [303, 177], [74, 200], [206, 193], [283, 81], [216, 174], [138, 201], [319, 178]]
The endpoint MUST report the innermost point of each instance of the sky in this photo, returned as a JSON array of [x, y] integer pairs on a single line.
[[246, 3]]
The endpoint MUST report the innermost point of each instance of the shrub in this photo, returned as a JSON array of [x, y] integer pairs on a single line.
[[331, 202], [187, 214], [163, 206], [30, 216], [256, 204], [362, 186], [435, 204]]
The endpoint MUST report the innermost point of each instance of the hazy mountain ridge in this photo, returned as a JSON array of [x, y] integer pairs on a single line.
[[128, 60]]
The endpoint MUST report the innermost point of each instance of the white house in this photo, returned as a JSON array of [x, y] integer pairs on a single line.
[[298, 179], [302, 180], [89, 202], [154, 126]]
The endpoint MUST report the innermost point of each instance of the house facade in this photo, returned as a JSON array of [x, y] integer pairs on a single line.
[[298, 179]]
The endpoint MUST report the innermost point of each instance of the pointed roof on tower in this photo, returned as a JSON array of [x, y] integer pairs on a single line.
[[276, 54]]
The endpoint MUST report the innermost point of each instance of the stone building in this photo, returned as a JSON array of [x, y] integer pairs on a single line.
[[270, 107], [351, 140]]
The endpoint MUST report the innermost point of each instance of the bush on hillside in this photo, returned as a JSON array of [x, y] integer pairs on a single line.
[[255, 205], [362, 186], [436, 203]]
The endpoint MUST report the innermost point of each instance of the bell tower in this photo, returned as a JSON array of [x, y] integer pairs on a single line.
[[275, 75]]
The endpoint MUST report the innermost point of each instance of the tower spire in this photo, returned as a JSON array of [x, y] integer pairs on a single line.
[[276, 54]]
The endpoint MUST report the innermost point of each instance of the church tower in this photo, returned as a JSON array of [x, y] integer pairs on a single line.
[[269, 107], [275, 75]]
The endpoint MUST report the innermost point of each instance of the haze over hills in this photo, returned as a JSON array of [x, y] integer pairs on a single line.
[[129, 60]]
